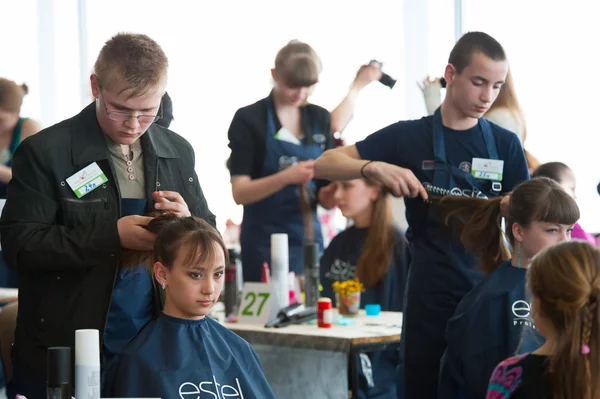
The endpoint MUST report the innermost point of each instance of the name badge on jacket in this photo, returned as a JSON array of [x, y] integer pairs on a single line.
[[86, 180]]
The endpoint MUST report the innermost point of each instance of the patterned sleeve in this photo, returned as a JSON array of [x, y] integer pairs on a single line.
[[505, 379]]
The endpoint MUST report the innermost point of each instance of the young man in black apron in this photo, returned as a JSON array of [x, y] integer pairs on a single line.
[[453, 152]]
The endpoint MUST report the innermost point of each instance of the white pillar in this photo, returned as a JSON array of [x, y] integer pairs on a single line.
[[458, 19], [416, 41], [47, 89], [84, 71]]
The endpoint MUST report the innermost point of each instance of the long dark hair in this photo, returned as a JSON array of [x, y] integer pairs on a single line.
[[551, 170], [477, 221]]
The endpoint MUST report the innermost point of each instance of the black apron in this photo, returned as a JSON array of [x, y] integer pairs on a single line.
[[440, 274], [280, 212]]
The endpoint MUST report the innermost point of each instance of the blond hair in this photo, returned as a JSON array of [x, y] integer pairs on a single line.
[[134, 60], [507, 99], [298, 64], [11, 95]]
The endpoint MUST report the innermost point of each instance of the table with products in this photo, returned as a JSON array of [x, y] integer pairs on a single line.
[[8, 295], [304, 361]]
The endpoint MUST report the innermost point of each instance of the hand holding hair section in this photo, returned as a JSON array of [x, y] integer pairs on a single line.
[[132, 258]]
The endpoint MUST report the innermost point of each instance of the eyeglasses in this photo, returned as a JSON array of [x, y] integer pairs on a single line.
[[119, 116]]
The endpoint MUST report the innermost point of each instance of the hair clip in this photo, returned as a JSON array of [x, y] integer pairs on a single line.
[[585, 349]]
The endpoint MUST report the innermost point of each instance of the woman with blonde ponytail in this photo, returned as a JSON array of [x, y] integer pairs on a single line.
[[565, 285], [374, 252], [274, 143]]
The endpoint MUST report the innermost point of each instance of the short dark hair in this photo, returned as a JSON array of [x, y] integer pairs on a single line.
[[471, 43], [551, 170], [166, 105]]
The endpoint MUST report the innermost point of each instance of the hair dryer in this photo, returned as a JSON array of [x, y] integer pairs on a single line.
[[294, 314], [385, 79]]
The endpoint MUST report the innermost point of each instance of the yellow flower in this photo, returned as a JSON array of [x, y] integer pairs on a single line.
[[348, 287]]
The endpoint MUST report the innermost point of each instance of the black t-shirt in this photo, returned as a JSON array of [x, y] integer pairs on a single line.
[[248, 131], [339, 264], [521, 377], [409, 144]]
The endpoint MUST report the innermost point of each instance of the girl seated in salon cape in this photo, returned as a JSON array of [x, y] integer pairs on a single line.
[[183, 353]]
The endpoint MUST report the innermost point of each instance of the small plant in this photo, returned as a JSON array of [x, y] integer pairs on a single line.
[[347, 296]]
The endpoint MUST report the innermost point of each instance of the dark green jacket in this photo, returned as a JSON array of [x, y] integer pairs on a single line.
[[66, 249]]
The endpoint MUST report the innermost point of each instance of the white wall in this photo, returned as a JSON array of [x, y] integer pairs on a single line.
[[39, 47], [221, 52], [428, 28], [19, 49], [552, 48]]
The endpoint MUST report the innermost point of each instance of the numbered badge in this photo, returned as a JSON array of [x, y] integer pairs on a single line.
[[86, 180], [257, 299], [487, 169]]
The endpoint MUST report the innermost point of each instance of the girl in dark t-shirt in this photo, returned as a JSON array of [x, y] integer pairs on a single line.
[[373, 251]]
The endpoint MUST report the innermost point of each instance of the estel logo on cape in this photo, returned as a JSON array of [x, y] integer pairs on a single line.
[[192, 390], [521, 311]]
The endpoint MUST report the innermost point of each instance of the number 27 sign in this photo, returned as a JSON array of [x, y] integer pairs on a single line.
[[256, 303]]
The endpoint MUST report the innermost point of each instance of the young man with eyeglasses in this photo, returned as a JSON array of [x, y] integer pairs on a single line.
[[77, 199]]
